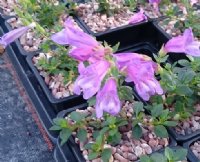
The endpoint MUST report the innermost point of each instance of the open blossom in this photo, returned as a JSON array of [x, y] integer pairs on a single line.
[[184, 43], [142, 74], [11, 36], [89, 80], [138, 17], [140, 69], [154, 1], [84, 46], [107, 99], [123, 59]]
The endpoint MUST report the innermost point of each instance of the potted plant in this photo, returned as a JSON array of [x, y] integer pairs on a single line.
[[104, 17]]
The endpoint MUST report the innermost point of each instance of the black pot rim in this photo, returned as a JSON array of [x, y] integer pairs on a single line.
[[50, 96]]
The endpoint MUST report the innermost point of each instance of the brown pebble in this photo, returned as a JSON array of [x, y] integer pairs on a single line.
[[120, 158]]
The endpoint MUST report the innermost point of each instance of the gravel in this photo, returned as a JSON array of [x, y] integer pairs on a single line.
[[54, 82], [98, 22], [190, 125], [129, 149], [195, 147]]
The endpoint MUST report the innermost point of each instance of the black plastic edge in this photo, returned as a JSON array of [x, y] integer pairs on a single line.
[[191, 156], [183, 138], [59, 104]]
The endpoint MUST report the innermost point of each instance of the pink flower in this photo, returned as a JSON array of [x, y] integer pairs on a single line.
[[11, 36], [84, 46], [184, 43], [154, 1], [138, 17], [140, 69], [107, 99], [142, 74], [123, 59], [90, 78]]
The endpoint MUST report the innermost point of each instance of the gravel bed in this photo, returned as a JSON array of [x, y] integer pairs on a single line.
[[54, 82], [8, 7], [129, 149], [195, 147], [98, 22], [190, 125]]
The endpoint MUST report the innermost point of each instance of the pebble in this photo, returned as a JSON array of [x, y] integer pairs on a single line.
[[120, 158], [147, 148], [132, 157], [138, 151]]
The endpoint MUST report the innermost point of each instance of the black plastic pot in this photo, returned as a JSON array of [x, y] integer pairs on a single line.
[[108, 31], [58, 104], [77, 155], [183, 138], [191, 156]]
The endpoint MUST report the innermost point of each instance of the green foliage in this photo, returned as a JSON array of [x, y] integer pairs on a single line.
[[170, 155], [132, 4], [59, 63], [125, 93], [105, 7], [45, 13]]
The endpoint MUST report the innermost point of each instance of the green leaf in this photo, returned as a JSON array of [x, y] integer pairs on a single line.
[[64, 135], [180, 154], [161, 131], [106, 154], [115, 139], [82, 135], [169, 153], [138, 107], [157, 157], [157, 110], [183, 90], [145, 158], [113, 131], [60, 122], [115, 47], [126, 93], [122, 123], [77, 116], [55, 128], [170, 123], [137, 131], [88, 145], [91, 101], [93, 155]]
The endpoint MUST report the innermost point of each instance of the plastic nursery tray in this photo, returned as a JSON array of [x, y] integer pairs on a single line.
[[77, 155], [191, 156], [58, 104], [106, 31], [183, 138]]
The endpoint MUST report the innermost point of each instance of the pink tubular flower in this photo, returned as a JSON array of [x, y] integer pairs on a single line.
[[123, 59], [154, 1], [138, 17], [89, 80], [184, 43], [11, 36], [84, 46], [107, 99], [142, 74], [140, 69]]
